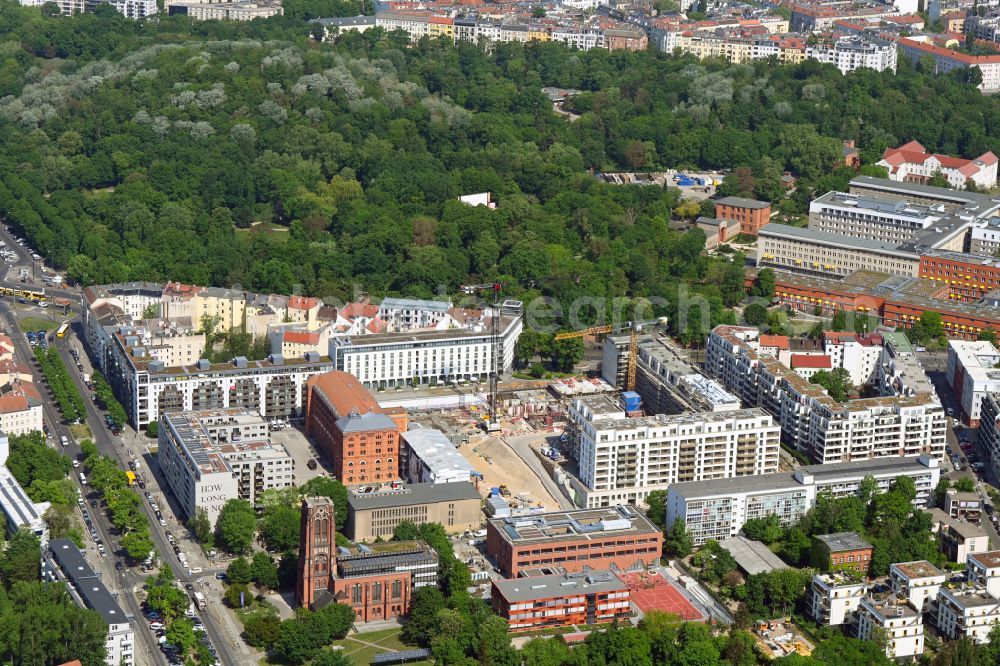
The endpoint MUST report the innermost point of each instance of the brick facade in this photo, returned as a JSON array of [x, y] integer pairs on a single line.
[[317, 550]]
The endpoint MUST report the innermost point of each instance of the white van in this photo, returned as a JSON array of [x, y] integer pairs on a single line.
[[64, 440], [83, 479]]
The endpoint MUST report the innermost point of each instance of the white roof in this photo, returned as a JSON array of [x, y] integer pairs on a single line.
[[438, 454], [979, 359]]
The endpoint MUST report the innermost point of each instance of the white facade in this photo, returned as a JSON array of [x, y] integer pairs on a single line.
[[858, 355], [902, 624], [22, 419], [718, 509], [850, 53], [972, 373], [135, 9], [984, 570], [970, 612], [890, 220], [815, 252], [918, 581], [394, 359], [811, 421], [835, 597], [622, 460], [403, 314], [210, 457], [428, 456]]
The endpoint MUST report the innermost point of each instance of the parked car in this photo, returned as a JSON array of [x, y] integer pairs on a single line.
[[157, 625]]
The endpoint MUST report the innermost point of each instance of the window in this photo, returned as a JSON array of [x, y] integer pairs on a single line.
[[397, 589], [356, 594], [377, 592]]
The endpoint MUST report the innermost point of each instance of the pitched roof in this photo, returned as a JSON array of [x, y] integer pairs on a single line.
[[779, 341], [301, 337], [811, 361]]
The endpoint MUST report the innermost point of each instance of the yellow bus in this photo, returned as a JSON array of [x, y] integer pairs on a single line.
[[61, 331], [131, 478]]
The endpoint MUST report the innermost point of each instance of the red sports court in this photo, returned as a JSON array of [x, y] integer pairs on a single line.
[[654, 592]]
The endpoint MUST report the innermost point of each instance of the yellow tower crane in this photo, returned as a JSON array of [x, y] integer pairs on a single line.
[[634, 329]]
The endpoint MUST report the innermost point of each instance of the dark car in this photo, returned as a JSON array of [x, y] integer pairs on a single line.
[[220, 576], [119, 566]]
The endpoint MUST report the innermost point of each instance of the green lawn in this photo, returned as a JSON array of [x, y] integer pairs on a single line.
[[276, 233], [387, 640], [38, 324]]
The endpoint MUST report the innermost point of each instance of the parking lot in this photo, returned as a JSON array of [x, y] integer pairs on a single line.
[[302, 451]]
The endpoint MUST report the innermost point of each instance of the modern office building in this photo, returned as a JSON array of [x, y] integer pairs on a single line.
[[901, 624], [561, 600], [618, 538], [972, 373], [427, 456], [811, 421], [718, 509], [89, 591], [621, 459], [211, 456], [834, 597], [360, 438], [374, 512]]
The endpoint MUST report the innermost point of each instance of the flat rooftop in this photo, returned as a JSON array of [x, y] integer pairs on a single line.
[[16, 504], [980, 203], [972, 597], [662, 420], [191, 435], [575, 525], [88, 585], [516, 590], [785, 481], [358, 342], [842, 541], [891, 606], [918, 569], [813, 236], [979, 358], [989, 559], [412, 494], [437, 452]]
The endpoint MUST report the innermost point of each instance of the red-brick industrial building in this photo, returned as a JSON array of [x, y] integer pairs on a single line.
[[360, 438], [750, 213], [574, 541]]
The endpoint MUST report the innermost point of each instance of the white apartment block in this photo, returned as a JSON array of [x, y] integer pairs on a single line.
[[960, 538], [447, 356], [918, 581], [403, 314], [718, 509], [948, 60], [834, 598], [984, 571], [135, 9], [850, 53], [225, 11], [970, 612], [622, 459], [899, 371], [984, 237], [912, 163], [972, 373], [902, 624], [858, 354], [813, 252], [66, 7], [210, 457], [811, 421], [989, 427]]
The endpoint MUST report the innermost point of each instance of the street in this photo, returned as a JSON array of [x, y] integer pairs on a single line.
[[126, 583]]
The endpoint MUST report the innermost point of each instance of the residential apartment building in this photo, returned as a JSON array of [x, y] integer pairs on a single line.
[[901, 624], [208, 457], [963, 505], [358, 437], [918, 581], [959, 538], [225, 11], [66, 563], [374, 513], [949, 60], [972, 374], [834, 597], [428, 357], [719, 509], [20, 408], [561, 600], [983, 570], [855, 52], [811, 421], [912, 163], [133, 9], [622, 459], [618, 538], [860, 355], [970, 612], [989, 427]]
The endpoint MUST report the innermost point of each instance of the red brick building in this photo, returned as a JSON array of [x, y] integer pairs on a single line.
[[561, 600], [968, 277], [360, 438], [843, 550], [750, 213], [376, 581], [317, 550], [574, 541]]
